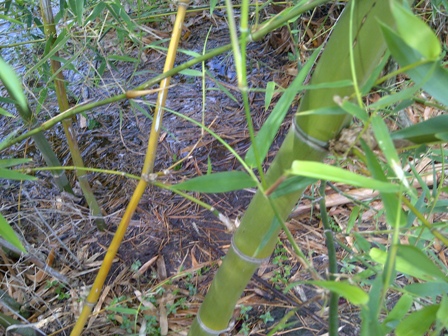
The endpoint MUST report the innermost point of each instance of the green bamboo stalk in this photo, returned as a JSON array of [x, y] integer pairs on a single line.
[[257, 234], [70, 133]]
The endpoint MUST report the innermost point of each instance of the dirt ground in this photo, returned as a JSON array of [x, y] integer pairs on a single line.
[[172, 247]]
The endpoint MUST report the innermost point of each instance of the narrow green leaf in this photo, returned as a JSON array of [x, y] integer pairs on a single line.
[[414, 256], [442, 313], [396, 97], [291, 185], [390, 201], [267, 133], [6, 113], [9, 234], [424, 132], [418, 322], [413, 268], [123, 310], [99, 7], [432, 76], [398, 312], [270, 89], [15, 175], [352, 293], [217, 182], [10, 19], [354, 110], [5, 163], [326, 172], [13, 86], [77, 7], [329, 110], [427, 289], [191, 72], [387, 146], [415, 33], [122, 58]]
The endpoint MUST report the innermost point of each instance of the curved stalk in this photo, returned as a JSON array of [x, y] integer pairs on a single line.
[[148, 166], [70, 133], [257, 234]]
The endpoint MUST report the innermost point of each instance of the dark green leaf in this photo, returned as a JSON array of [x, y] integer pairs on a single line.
[[5, 163], [424, 132], [398, 312], [427, 289]]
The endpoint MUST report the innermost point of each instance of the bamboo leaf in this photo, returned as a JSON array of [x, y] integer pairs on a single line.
[[5, 163], [124, 310], [6, 113], [9, 234], [354, 110], [442, 313], [421, 267], [270, 89], [191, 72], [15, 175], [122, 58], [291, 185], [13, 86], [417, 258], [394, 212], [217, 182], [427, 289], [77, 7], [398, 312], [418, 322], [267, 133], [431, 130], [430, 75], [384, 141], [352, 293], [326, 172], [415, 33]]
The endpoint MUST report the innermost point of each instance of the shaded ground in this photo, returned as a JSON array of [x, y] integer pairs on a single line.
[[172, 247]]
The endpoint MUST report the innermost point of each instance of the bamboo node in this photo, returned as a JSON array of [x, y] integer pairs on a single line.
[[149, 177]]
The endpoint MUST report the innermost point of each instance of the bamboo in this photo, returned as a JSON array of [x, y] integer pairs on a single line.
[[263, 29], [257, 234], [148, 166], [70, 133]]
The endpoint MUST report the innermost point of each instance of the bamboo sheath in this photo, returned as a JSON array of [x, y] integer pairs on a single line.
[[257, 234]]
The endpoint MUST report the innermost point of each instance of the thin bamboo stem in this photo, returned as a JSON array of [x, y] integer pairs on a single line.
[[263, 29], [148, 166], [333, 321], [70, 133]]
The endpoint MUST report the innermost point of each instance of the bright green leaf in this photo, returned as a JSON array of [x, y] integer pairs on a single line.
[[191, 72], [15, 175], [418, 322], [326, 172], [217, 182], [13, 85], [352, 293], [123, 310], [6, 113], [9, 234], [354, 110], [416, 33], [291, 185]]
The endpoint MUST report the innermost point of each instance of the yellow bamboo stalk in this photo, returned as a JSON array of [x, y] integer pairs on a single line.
[[148, 166]]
